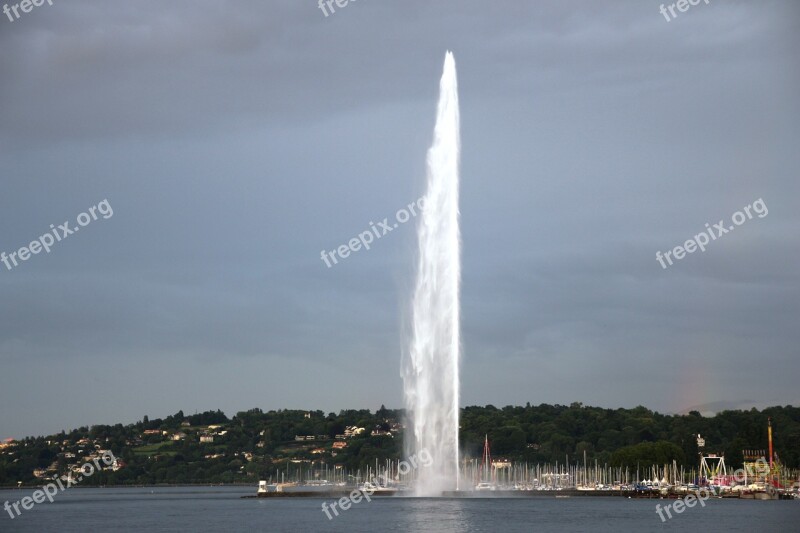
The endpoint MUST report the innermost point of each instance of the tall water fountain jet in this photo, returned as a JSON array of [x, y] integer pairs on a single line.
[[430, 369]]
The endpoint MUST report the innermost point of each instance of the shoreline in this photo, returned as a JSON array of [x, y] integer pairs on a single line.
[[502, 494], [151, 486]]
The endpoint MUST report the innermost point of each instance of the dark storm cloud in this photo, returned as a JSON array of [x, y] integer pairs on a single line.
[[236, 140]]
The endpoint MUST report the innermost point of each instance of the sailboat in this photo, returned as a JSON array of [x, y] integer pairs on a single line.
[[486, 481]]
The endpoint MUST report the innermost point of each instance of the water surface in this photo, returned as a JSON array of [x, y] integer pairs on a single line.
[[223, 509]]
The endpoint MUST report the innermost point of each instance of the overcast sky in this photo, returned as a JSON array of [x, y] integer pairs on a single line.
[[235, 140]]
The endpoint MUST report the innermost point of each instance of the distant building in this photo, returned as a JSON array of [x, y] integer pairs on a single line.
[[179, 436], [352, 431], [205, 437], [339, 445]]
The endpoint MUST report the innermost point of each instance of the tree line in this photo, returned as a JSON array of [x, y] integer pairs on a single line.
[[256, 444]]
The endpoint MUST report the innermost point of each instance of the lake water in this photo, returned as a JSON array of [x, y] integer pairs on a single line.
[[223, 509]]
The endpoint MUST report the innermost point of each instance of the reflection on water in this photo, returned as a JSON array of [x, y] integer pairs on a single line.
[[447, 515], [224, 509]]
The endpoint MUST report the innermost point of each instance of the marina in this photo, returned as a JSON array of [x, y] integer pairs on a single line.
[[761, 477]]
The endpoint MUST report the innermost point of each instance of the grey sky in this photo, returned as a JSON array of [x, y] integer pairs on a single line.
[[236, 140]]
